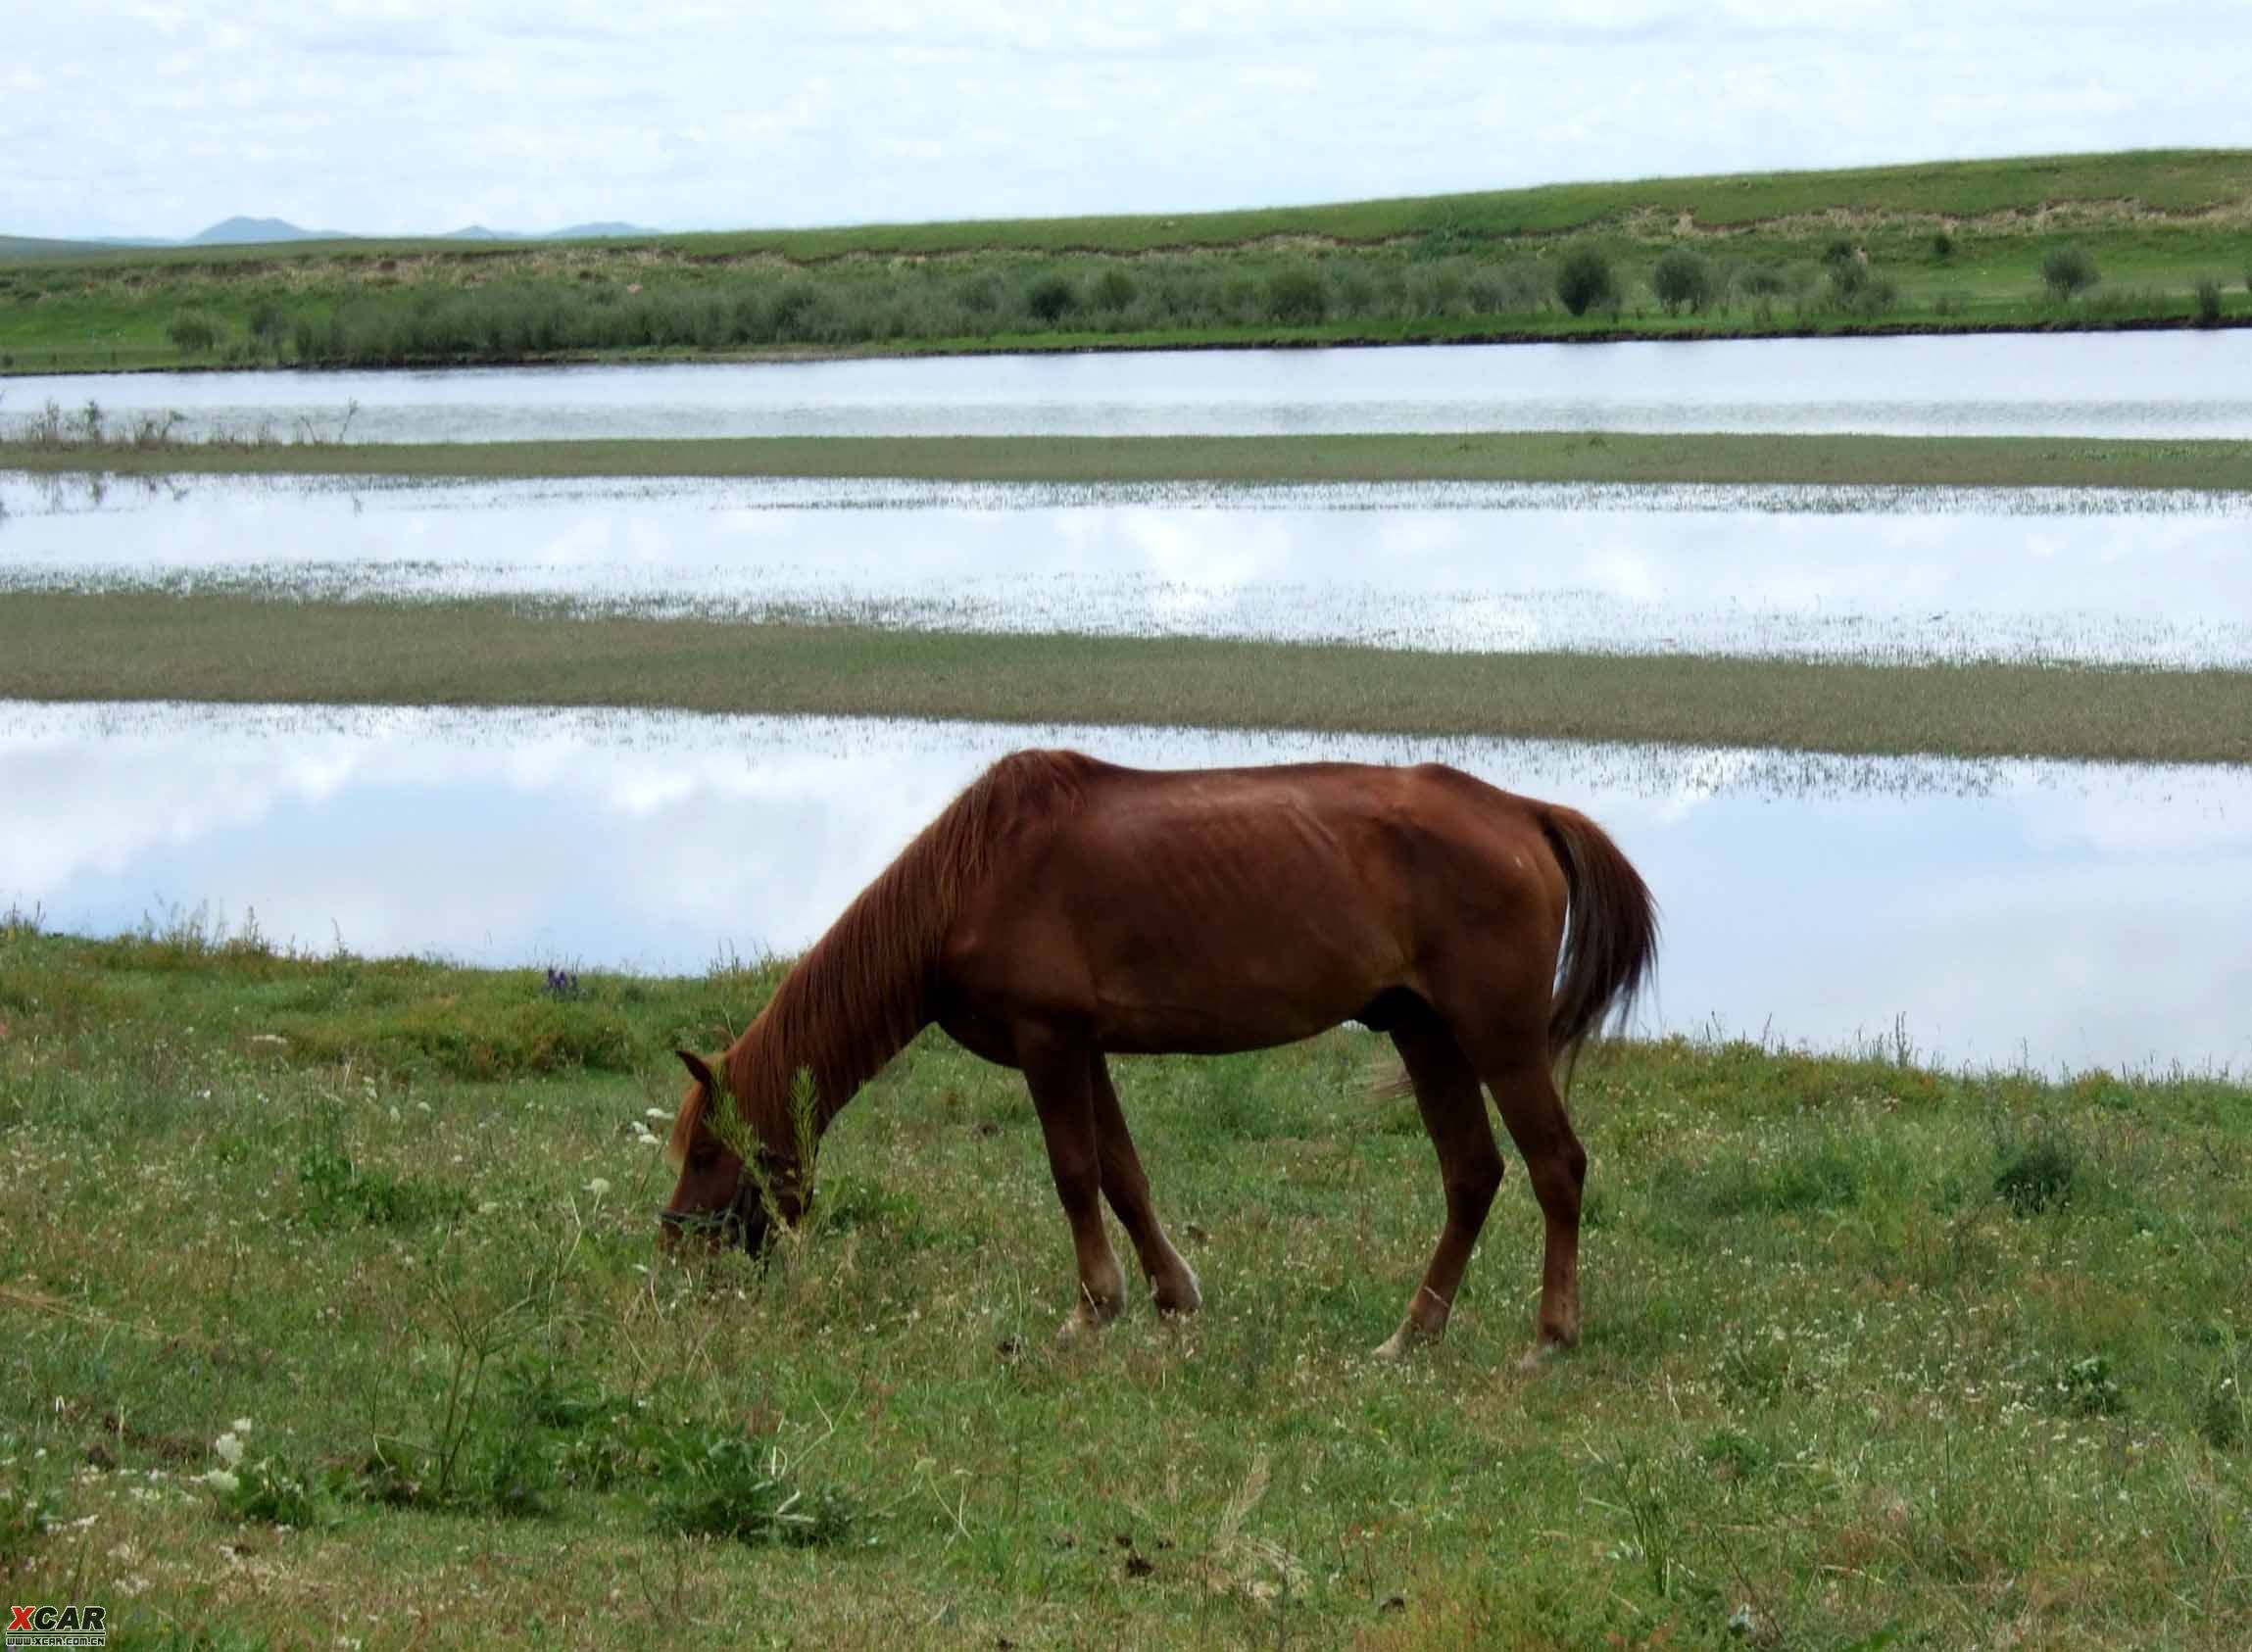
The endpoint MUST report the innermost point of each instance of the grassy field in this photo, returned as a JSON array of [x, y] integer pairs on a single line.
[[1944, 246], [1875, 1356], [1505, 457], [158, 646]]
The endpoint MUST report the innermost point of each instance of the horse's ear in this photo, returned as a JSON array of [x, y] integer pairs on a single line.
[[698, 1071]]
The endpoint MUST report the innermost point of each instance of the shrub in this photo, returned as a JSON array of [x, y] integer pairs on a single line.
[[2208, 301], [1509, 287], [1295, 297], [194, 331], [2067, 271], [268, 320], [1682, 278], [979, 295], [1114, 290], [1942, 246], [1840, 252], [1051, 298], [1583, 280], [1854, 289], [1356, 292], [1764, 280], [2036, 1174]]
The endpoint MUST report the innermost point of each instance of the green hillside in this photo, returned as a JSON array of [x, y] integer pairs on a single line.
[[1944, 246]]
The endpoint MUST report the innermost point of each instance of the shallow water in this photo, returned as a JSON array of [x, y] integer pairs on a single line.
[[2053, 915], [1887, 575], [2173, 383]]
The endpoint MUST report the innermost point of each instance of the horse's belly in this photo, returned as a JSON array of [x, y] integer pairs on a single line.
[[1219, 1004]]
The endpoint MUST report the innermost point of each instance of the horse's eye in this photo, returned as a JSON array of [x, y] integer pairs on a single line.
[[700, 1157]]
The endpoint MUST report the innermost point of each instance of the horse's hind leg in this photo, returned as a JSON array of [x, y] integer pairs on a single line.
[[1172, 1282], [1057, 1073], [1558, 1166], [1469, 1167]]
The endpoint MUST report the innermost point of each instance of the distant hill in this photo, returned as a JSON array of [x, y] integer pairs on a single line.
[[573, 232], [241, 231], [32, 246], [261, 232]]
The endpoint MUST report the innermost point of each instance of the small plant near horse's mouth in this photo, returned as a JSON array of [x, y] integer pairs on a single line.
[[719, 1485]]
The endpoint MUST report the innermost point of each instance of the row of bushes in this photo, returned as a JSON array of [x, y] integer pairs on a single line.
[[529, 318], [1150, 296]]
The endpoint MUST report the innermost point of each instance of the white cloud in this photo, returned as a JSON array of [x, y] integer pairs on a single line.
[[406, 115]]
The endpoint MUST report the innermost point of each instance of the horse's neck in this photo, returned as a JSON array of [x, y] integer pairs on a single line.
[[829, 1035]]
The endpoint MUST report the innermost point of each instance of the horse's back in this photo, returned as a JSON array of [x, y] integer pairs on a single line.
[[1236, 908]]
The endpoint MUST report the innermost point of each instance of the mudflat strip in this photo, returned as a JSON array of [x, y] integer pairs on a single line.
[[144, 646]]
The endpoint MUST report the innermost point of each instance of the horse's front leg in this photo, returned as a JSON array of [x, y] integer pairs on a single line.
[[1058, 1070], [1172, 1282]]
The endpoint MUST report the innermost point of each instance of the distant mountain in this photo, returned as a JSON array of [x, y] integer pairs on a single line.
[[574, 232], [259, 231], [241, 231]]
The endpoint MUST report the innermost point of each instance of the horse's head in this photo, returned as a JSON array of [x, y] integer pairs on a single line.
[[715, 1198]]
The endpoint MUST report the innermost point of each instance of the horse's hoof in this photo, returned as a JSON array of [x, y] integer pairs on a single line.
[[1084, 1324], [1403, 1342], [1179, 1303], [1542, 1353]]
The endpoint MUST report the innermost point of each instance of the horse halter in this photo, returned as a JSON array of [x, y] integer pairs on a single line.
[[737, 1221]]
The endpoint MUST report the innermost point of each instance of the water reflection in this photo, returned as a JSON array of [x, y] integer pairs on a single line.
[[2060, 914], [2178, 383], [2069, 575]]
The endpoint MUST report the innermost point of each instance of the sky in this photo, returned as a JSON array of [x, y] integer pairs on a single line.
[[389, 117]]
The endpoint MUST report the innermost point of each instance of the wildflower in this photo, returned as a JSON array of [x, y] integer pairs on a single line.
[[228, 1450], [598, 1186], [218, 1479], [242, 1424], [654, 1113], [643, 1138]]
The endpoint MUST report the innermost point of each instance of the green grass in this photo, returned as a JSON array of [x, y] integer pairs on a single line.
[[1528, 456], [1847, 1380], [1476, 264], [147, 645]]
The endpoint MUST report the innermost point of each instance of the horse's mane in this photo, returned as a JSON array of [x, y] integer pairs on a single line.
[[861, 991]]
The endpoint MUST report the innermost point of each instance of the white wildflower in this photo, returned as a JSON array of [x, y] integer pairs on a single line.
[[218, 1479], [229, 1449], [654, 1113], [598, 1186], [242, 1424]]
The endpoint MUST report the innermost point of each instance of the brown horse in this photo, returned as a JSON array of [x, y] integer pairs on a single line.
[[1063, 909]]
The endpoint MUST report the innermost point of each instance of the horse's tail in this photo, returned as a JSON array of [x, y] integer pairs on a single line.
[[1611, 933]]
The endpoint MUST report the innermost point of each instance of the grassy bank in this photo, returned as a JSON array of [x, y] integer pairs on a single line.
[[1874, 1357], [1527, 457], [1947, 245], [239, 649]]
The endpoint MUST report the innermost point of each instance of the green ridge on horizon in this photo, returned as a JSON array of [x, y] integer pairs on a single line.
[[1945, 246]]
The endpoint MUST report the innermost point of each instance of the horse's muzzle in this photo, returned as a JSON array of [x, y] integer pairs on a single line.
[[742, 1220]]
